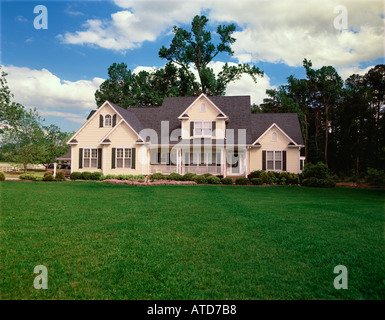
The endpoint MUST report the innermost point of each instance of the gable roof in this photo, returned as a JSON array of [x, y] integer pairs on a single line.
[[236, 108]]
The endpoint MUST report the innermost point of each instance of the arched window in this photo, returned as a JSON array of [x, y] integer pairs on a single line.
[[274, 136], [107, 120], [203, 107]]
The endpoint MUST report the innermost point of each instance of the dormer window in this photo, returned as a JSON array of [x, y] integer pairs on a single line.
[[203, 128], [203, 107], [107, 120], [274, 136]]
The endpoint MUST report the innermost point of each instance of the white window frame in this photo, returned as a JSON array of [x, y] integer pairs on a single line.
[[124, 159], [203, 107], [274, 160], [105, 120], [274, 136], [202, 128], [90, 158]]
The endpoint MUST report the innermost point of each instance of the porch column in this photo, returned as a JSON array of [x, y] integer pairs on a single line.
[[54, 169], [247, 161], [224, 164]]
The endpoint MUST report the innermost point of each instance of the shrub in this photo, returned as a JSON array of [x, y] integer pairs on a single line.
[[206, 175], [317, 175], [60, 175], [111, 176], [86, 175], [96, 175], [320, 183], [242, 181], [158, 176], [76, 175], [25, 176], [265, 177], [200, 179], [220, 176], [227, 180], [293, 178], [319, 171], [257, 181], [189, 176], [213, 180], [375, 177], [254, 174], [283, 175], [174, 176], [2, 176], [274, 176], [48, 176]]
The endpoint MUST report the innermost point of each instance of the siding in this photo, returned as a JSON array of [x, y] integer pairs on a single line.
[[210, 114], [292, 154]]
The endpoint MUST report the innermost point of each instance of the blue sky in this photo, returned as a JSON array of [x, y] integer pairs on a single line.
[[57, 70]]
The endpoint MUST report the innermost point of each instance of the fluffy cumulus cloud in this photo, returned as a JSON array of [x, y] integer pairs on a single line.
[[271, 31], [51, 95], [139, 21], [288, 31]]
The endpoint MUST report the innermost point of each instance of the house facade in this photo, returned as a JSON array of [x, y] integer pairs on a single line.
[[217, 135]]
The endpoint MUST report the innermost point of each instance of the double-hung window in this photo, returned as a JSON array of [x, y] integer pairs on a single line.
[[202, 128], [274, 160], [108, 120], [90, 158], [123, 157]]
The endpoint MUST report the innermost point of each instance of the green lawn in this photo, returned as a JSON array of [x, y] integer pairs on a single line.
[[102, 241]]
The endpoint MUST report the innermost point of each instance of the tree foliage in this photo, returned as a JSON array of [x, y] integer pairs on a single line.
[[343, 124], [23, 137]]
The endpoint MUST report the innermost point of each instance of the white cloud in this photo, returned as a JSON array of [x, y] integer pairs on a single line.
[[245, 86], [347, 72], [289, 31], [129, 28], [49, 93], [272, 31], [74, 117]]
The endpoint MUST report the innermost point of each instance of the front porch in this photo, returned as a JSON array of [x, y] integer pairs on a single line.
[[216, 161]]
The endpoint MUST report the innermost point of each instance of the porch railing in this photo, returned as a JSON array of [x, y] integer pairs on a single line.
[[165, 169]]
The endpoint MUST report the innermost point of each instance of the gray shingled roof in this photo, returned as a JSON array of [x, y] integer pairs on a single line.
[[237, 108]]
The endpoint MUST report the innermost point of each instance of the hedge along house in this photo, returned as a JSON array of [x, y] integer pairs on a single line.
[[217, 135]]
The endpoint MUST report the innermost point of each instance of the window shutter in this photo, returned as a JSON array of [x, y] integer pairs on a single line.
[[214, 126], [99, 158], [168, 159], [283, 160], [133, 159], [80, 158], [113, 158], [191, 128], [187, 158], [114, 120], [264, 160], [100, 121], [158, 158]]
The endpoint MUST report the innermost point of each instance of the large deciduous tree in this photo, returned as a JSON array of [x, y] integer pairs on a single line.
[[196, 48]]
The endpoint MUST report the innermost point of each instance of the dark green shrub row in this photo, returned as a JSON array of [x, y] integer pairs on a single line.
[[31, 176], [2, 176], [317, 175], [273, 177], [175, 176], [213, 180], [375, 177], [86, 175], [242, 181], [320, 183], [227, 180]]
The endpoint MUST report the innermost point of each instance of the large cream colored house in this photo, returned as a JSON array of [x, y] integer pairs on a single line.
[[217, 135]]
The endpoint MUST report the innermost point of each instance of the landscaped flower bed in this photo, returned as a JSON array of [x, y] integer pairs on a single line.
[[134, 182]]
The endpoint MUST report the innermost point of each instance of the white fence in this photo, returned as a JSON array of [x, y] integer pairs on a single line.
[[18, 167]]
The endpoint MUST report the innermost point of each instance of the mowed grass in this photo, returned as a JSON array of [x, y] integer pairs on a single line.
[[103, 241]]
